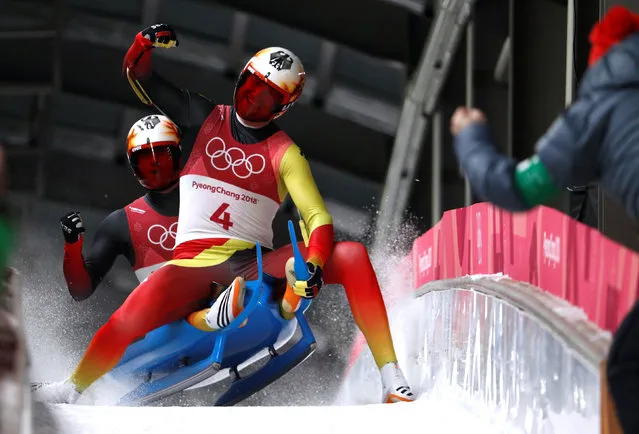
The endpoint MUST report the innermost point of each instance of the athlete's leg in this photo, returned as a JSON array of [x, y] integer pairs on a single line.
[[224, 310], [170, 293], [349, 265]]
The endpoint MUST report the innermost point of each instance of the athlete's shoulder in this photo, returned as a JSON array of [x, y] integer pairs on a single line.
[[114, 234], [138, 206], [114, 224], [118, 214], [294, 150], [216, 113], [290, 158], [279, 139]]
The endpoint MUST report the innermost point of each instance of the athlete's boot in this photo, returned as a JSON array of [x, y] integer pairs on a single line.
[[394, 386], [227, 306], [59, 392]]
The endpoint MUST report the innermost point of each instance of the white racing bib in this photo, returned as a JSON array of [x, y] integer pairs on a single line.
[[212, 208]]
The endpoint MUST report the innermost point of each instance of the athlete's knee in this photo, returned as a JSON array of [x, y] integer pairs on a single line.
[[350, 253]]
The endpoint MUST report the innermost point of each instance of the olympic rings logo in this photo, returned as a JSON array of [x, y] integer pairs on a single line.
[[164, 237], [234, 158]]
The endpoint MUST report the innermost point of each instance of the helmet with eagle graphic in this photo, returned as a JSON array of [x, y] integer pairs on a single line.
[[153, 151], [269, 84]]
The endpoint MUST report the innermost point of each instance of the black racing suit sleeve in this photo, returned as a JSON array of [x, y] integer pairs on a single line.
[[187, 109], [622, 371], [84, 273]]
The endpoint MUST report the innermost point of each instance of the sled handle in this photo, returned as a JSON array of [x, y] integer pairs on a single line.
[[260, 271], [301, 271]]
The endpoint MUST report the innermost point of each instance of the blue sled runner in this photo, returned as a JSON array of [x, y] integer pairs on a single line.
[[177, 356]]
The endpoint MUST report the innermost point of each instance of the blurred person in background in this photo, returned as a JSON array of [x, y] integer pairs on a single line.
[[594, 140], [6, 229], [622, 372], [13, 353], [143, 231], [8, 333], [238, 168]]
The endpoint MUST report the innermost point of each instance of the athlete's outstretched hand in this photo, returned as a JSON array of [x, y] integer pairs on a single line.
[[72, 226], [309, 288]]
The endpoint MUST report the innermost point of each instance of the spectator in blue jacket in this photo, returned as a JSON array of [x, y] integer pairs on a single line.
[[596, 139]]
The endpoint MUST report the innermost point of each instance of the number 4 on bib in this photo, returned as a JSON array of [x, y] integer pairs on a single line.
[[222, 217]]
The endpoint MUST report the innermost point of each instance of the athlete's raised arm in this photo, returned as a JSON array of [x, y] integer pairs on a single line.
[[184, 107], [84, 273]]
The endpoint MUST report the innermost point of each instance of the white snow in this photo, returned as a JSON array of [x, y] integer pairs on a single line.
[[420, 416]]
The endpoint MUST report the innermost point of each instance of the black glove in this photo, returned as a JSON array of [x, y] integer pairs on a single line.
[[161, 35], [310, 288], [72, 227], [157, 35]]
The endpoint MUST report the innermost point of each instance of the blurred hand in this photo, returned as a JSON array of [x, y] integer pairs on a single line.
[[464, 117]]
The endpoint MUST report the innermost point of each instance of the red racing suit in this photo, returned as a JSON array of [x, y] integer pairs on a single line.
[[233, 180]]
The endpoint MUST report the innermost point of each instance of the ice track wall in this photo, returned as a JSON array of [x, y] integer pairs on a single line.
[[504, 347], [542, 247]]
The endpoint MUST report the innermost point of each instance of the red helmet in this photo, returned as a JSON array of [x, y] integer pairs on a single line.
[[268, 85], [153, 150]]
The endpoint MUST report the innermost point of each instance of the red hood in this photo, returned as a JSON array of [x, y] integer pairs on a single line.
[[615, 26]]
